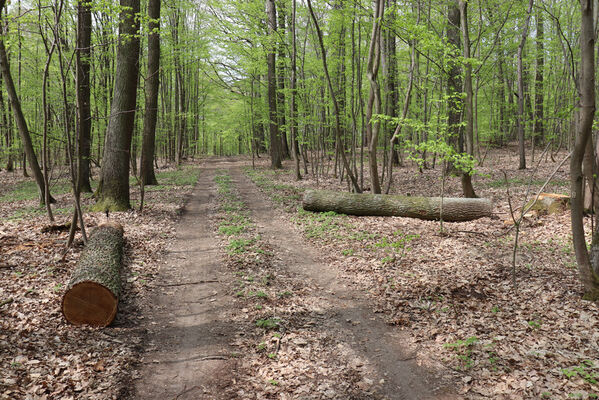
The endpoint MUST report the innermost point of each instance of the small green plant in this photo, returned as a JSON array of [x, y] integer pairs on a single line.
[[240, 293], [585, 371], [259, 307], [261, 346], [230, 230], [238, 246], [273, 382], [535, 324], [286, 293], [495, 309], [272, 356], [268, 323], [348, 252], [463, 350], [261, 294]]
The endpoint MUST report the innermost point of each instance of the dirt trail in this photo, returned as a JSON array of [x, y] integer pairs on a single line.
[[188, 352], [191, 341]]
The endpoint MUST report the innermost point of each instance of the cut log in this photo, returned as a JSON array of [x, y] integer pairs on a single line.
[[92, 294], [429, 208]]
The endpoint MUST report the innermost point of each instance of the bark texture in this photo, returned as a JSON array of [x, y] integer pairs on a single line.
[[275, 139], [92, 294], [114, 185], [428, 208], [588, 263], [84, 118], [147, 174]]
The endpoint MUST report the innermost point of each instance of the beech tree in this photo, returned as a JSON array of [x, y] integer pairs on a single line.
[[588, 261], [113, 191]]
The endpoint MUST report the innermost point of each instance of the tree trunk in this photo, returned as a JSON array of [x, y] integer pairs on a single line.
[[467, 188], [293, 105], [84, 119], [588, 264], [374, 98], [539, 131], [147, 175], [520, 70], [275, 140], [114, 185], [281, 74], [92, 294], [454, 84], [392, 89], [428, 208]]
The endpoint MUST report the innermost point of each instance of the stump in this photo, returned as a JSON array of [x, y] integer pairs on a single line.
[[92, 294], [428, 208], [548, 203]]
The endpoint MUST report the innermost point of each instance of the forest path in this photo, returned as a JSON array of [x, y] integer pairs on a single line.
[[188, 350], [190, 331]]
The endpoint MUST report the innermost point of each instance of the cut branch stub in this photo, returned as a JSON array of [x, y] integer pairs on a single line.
[[92, 294], [428, 208]]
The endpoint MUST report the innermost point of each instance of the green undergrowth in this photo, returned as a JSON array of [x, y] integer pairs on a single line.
[[184, 176], [331, 227], [285, 195], [258, 291], [500, 183], [234, 222], [27, 191]]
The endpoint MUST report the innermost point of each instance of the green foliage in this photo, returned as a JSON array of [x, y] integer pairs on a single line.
[[268, 323], [586, 371], [237, 246], [463, 350]]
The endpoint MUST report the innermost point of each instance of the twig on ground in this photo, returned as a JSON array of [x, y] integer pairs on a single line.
[[187, 283], [7, 301]]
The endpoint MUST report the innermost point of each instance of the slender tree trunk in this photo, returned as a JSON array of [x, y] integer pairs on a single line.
[[374, 98], [275, 140], [392, 89], [539, 88], [281, 76], [293, 106], [588, 264], [467, 188], [454, 83], [114, 185], [520, 119], [7, 132], [147, 175], [84, 119]]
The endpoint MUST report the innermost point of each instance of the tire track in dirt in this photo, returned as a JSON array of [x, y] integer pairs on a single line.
[[349, 316]]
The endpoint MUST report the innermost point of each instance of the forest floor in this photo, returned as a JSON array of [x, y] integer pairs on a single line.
[[288, 304]]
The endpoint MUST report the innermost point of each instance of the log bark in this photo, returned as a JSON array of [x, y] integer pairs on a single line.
[[429, 208], [92, 294]]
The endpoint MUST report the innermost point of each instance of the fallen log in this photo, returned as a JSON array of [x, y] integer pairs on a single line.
[[429, 208], [92, 294]]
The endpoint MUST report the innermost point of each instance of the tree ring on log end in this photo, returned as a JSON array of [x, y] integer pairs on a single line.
[[89, 303]]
